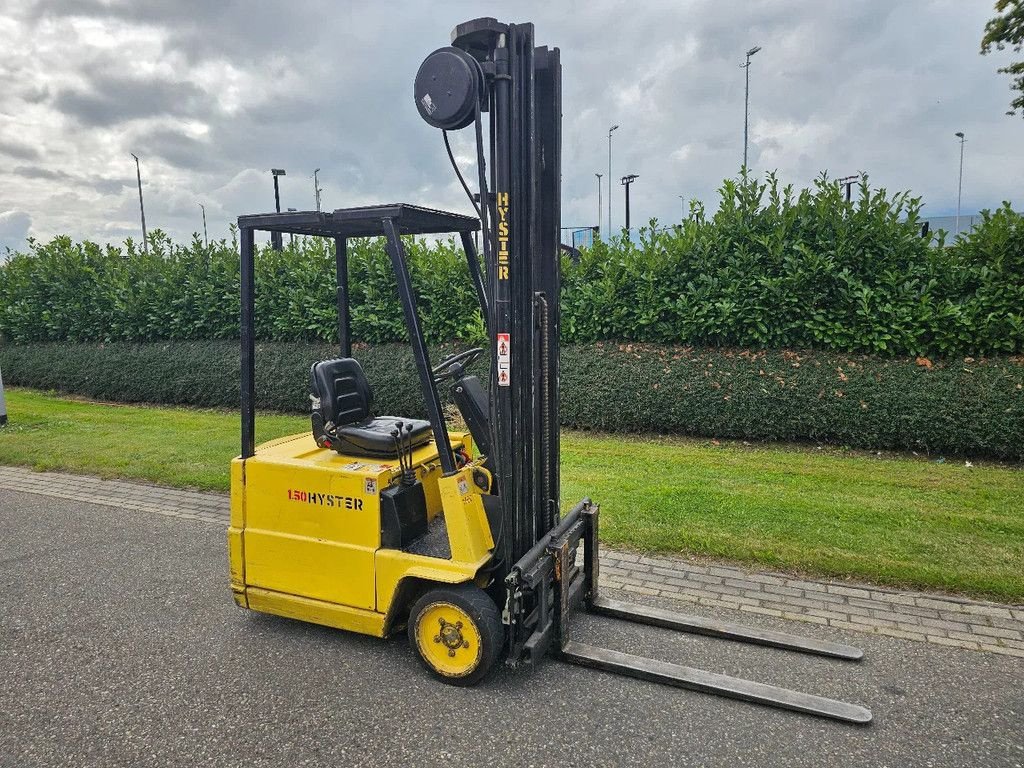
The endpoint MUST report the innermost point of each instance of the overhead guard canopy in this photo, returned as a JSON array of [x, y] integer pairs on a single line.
[[367, 221]]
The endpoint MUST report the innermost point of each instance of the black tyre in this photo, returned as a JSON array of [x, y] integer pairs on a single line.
[[456, 632]]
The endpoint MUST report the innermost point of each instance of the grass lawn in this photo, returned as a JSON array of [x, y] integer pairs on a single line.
[[891, 520]]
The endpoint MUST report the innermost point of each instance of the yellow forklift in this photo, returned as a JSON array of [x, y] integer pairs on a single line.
[[371, 523]]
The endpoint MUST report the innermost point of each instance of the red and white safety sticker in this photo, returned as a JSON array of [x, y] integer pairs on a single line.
[[503, 349]]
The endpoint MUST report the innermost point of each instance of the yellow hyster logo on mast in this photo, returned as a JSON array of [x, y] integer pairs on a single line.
[[502, 206]]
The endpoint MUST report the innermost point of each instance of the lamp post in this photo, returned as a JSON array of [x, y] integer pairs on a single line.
[[626, 181], [291, 235], [142, 208], [682, 207], [960, 183], [746, 101], [275, 237], [277, 191], [206, 239], [316, 188], [847, 182], [598, 201], [613, 128]]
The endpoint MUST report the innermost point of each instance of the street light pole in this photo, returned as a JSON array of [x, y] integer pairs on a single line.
[[626, 181], [291, 235], [613, 128], [206, 238], [682, 207], [598, 201], [746, 102], [316, 188], [142, 208], [275, 237], [960, 183], [847, 182], [277, 190]]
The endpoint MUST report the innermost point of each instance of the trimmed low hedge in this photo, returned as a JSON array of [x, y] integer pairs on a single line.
[[964, 406], [967, 406]]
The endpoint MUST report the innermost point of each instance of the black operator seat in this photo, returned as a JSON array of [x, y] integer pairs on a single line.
[[342, 400]]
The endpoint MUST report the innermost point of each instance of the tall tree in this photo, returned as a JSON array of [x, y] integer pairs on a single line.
[[1008, 29]]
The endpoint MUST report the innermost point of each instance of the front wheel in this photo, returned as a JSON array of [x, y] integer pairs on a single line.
[[457, 633]]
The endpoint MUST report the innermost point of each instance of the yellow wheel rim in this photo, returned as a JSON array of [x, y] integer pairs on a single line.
[[448, 639]]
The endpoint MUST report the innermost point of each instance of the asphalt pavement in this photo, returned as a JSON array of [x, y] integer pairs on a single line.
[[120, 646]]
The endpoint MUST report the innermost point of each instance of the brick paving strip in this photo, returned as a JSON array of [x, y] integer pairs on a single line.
[[933, 618]]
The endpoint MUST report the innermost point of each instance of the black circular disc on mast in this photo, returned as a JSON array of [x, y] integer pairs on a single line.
[[448, 84]]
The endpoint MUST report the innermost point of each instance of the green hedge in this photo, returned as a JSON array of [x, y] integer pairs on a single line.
[[967, 406], [808, 271], [66, 291], [771, 269]]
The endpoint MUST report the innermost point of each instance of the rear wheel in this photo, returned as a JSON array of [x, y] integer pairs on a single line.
[[457, 633]]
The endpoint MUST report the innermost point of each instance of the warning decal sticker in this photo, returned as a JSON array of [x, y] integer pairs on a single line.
[[503, 348]]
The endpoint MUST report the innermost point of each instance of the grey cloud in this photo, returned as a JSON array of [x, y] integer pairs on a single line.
[[109, 187], [178, 149], [241, 30], [18, 150], [105, 186], [33, 94], [112, 99], [871, 85], [36, 172]]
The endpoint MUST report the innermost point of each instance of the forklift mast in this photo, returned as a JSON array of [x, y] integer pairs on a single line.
[[496, 69]]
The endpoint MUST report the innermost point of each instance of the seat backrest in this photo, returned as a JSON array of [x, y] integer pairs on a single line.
[[341, 393]]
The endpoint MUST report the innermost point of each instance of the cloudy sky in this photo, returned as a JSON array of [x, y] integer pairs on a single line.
[[212, 94]]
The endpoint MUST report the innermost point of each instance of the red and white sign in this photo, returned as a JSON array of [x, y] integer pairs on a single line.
[[503, 348]]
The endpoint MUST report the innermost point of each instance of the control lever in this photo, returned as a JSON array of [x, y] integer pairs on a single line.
[[403, 447], [396, 436], [409, 475]]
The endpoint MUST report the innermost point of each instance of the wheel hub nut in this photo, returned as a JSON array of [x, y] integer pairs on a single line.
[[451, 636]]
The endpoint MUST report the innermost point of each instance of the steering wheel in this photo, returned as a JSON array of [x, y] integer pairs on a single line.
[[443, 370]]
